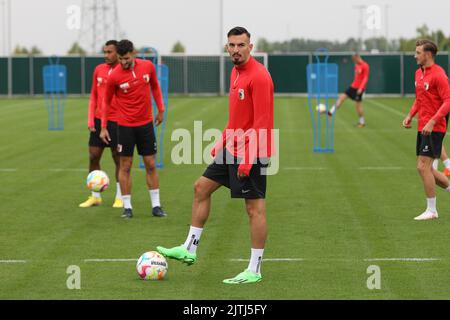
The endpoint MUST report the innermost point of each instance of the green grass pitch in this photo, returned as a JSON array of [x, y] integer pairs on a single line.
[[330, 213]]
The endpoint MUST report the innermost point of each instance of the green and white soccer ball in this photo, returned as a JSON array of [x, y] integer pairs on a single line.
[[152, 266], [321, 108], [97, 181]]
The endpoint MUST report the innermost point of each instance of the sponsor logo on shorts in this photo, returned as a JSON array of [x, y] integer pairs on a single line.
[[245, 191], [426, 149], [119, 148]]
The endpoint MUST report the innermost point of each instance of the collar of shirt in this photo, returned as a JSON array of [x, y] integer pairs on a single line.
[[246, 65]]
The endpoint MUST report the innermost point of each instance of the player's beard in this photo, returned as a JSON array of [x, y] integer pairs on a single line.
[[236, 59]]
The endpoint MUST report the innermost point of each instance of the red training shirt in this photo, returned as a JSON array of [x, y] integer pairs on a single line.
[[99, 79], [251, 113], [432, 97], [361, 76], [132, 91]]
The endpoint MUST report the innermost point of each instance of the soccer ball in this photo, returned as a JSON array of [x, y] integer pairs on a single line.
[[321, 108], [97, 181], [151, 266]]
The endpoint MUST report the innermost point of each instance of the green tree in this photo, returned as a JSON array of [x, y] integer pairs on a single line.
[[178, 47], [20, 50], [76, 49]]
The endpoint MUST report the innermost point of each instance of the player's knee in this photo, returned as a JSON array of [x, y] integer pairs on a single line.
[[422, 167], [94, 159], [254, 211], [200, 191]]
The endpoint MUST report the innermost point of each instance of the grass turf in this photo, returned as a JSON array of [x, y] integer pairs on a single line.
[[331, 210]]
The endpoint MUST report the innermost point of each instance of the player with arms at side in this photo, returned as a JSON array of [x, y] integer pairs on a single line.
[[241, 157], [432, 104], [356, 89], [132, 84], [96, 145]]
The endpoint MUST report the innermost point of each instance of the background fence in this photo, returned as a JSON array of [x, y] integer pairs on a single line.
[[391, 73]]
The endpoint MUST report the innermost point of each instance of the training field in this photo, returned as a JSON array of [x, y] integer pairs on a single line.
[[330, 216]]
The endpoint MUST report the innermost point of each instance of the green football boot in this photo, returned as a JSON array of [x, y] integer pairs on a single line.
[[244, 277], [178, 253]]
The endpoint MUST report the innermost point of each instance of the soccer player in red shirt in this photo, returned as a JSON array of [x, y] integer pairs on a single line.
[[96, 145], [356, 89], [241, 156], [131, 85], [432, 104]]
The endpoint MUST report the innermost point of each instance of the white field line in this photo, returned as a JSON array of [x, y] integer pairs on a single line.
[[387, 108], [109, 260], [7, 170], [404, 259], [265, 260], [13, 261], [381, 168], [304, 168], [271, 259], [68, 169]]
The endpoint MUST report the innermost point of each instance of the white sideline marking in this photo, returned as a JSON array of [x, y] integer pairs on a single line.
[[388, 108], [271, 259], [109, 260], [13, 261], [381, 168], [305, 168], [68, 169], [404, 259]]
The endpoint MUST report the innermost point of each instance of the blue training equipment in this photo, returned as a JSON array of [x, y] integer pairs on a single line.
[[162, 71], [322, 80], [55, 91]]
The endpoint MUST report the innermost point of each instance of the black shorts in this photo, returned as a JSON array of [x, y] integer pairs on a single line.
[[94, 137], [225, 173], [431, 145], [352, 93], [143, 137]]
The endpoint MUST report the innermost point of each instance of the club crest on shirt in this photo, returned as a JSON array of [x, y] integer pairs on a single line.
[[241, 94], [99, 80], [146, 78], [426, 86], [125, 86], [415, 84]]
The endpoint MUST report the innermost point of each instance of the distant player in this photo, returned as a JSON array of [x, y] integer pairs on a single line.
[[432, 104], [239, 157], [96, 145], [356, 89], [132, 84]]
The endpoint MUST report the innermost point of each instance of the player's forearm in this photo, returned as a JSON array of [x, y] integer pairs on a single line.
[[443, 111], [91, 113], [413, 110]]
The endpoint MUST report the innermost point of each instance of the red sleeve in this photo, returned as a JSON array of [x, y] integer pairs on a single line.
[[366, 77], [109, 94], [92, 100], [220, 142], [444, 93], [413, 110], [262, 100], [156, 90]]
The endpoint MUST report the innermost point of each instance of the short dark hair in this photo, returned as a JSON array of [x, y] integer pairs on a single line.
[[428, 45], [237, 31], [124, 47], [111, 43]]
